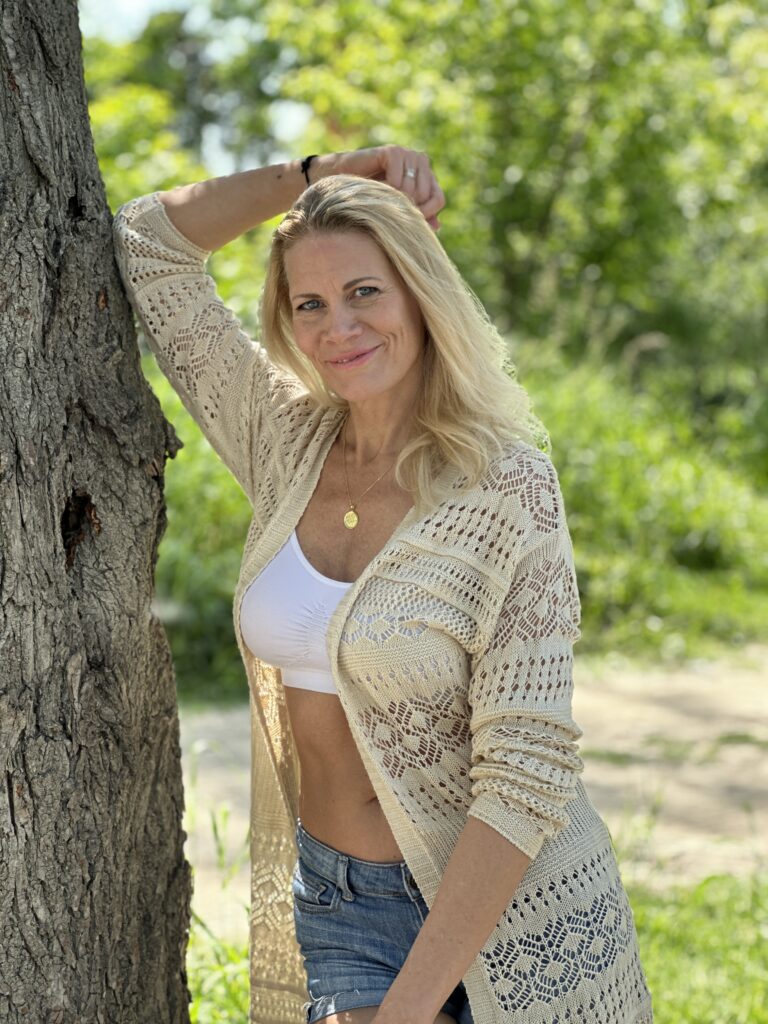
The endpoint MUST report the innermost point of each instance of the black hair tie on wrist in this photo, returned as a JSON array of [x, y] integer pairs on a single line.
[[305, 166]]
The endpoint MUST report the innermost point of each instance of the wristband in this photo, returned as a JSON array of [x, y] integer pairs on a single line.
[[305, 166]]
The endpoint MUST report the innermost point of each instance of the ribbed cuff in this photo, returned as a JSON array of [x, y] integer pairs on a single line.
[[518, 829]]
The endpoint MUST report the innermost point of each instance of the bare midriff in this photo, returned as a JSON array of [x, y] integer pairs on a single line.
[[337, 803]]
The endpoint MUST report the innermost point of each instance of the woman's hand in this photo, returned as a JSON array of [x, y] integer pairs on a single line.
[[390, 164]]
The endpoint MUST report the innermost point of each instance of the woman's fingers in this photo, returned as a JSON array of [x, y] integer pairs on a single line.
[[435, 200], [403, 168], [381, 163], [422, 180], [407, 170]]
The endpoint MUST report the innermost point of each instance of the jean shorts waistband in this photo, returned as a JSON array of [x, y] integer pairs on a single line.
[[353, 874]]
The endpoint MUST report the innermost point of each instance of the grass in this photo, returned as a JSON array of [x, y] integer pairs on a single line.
[[218, 977], [672, 751], [704, 949], [703, 945]]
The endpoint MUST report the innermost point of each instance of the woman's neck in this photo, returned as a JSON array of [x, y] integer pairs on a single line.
[[373, 439]]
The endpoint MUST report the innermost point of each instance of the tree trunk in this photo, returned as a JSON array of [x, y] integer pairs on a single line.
[[94, 886]]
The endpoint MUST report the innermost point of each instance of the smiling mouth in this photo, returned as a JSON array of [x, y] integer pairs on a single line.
[[353, 360]]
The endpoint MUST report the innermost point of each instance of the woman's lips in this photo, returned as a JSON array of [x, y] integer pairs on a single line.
[[357, 361]]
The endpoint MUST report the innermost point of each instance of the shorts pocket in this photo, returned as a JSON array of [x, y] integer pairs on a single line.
[[312, 892]]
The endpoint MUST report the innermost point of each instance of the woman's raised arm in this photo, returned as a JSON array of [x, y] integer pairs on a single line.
[[213, 212], [162, 242]]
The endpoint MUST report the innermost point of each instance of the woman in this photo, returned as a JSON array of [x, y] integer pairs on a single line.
[[406, 611]]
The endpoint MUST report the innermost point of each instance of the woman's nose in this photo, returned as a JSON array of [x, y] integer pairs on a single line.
[[342, 323]]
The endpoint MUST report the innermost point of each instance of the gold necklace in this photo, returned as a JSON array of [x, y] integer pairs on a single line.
[[351, 518]]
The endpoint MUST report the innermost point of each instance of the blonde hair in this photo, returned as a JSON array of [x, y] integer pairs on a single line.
[[470, 405]]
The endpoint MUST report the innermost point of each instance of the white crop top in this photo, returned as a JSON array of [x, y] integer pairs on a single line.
[[284, 617]]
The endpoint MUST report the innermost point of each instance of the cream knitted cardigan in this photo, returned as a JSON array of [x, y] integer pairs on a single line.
[[452, 655]]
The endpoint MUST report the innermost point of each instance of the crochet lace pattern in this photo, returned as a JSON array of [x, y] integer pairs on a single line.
[[452, 655]]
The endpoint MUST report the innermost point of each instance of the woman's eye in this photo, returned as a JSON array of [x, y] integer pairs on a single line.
[[368, 291]]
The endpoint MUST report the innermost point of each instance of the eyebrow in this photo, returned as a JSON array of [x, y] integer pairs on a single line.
[[349, 284]]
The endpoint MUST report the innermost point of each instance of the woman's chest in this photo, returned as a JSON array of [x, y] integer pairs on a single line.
[[422, 599], [331, 547]]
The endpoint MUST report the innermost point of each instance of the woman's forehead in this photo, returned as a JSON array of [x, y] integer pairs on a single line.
[[334, 254]]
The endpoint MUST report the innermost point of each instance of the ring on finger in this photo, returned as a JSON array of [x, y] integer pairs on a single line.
[[410, 172]]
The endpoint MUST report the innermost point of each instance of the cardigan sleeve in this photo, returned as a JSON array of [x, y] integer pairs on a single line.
[[224, 378], [525, 761]]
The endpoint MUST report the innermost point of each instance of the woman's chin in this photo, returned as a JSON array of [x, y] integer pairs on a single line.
[[353, 392]]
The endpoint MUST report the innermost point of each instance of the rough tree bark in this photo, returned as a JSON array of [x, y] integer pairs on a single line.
[[94, 886]]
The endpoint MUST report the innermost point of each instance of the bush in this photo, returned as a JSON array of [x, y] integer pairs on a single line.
[[667, 539], [199, 558]]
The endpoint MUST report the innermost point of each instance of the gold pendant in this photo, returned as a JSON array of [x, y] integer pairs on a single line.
[[351, 519]]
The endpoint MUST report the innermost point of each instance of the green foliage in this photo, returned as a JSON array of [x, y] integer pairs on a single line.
[[136, 143], [135, 118], [218, 978], [597, 157], [606, 173], [198, 562], [668, 540]]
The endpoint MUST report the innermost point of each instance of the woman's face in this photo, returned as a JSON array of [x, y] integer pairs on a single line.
[[348, 300]]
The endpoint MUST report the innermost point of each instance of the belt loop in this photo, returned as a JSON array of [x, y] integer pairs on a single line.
[[341, 878], [410, 882]]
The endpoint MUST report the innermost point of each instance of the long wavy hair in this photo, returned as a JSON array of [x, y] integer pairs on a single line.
[[470, 406]]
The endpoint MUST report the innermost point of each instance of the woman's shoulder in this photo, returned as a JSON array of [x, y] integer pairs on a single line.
[[518, 462], [525, 480], [491, 524], [520, 472], [517, 498]]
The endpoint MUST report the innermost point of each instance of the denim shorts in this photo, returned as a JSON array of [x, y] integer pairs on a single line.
[[356, 921]]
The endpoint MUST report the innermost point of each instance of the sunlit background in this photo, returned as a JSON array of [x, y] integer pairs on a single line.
[[606, 169]]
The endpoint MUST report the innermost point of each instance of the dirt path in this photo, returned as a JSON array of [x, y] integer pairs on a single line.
[[675, 762]]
